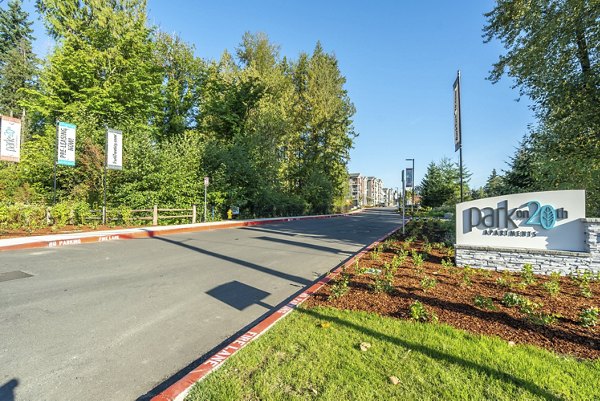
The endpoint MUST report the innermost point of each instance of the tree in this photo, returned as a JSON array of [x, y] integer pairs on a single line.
[[180, 90], [494, 185], [17, 61], [553, 54], [441, 184]]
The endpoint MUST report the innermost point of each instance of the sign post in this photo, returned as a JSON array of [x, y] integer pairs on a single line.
[[10, 139], [114, 159], [206, 181], [65, 148], [458, 129], [403, 202]]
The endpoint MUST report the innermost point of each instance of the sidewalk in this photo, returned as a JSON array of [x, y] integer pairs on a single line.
[[57, 240]]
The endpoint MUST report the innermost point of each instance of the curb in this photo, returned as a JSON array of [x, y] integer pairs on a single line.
[[179, 390], [59, 240]]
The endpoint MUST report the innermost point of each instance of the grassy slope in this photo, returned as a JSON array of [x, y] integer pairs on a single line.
[[299, 359]]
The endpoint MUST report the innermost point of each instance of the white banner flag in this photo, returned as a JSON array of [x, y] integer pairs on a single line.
[[65, 144], [10, 139], [114, 149]]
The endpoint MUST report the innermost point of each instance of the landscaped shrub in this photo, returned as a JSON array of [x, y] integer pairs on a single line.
[[583, 280], [484, 302], [431, 230], [420, 314], [61, 213], [81, 212], [340, 287], [589, 317], [428, 283], [511, 299], [417, 259], [553, 284], [527, 274]]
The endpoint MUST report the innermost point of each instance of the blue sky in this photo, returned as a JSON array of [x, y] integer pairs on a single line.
[[400, 59]]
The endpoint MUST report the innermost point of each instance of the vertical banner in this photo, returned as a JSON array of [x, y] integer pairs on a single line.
[[114, 149], [409, 177], [65, 144], [457, 124], [10, 139]]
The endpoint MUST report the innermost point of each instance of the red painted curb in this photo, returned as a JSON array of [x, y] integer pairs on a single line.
[[85, 238], [178, 390]]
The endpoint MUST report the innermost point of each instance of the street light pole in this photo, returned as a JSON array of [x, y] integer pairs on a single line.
[[412, 206]]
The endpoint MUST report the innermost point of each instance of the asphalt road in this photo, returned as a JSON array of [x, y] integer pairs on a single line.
[[119, 320]]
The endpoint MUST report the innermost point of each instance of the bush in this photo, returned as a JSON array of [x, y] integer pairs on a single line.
[[420, 314], [484, 302], [432, 230], [61, 213], [589, 317]]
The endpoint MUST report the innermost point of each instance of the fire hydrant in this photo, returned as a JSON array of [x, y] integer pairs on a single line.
[[229, 214]]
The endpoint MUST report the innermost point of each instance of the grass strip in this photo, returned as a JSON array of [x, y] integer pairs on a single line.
[[315, 354]]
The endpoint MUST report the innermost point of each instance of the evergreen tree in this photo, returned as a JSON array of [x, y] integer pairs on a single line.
[[17, 61], [553, 54], [494, 185], [441, 184]]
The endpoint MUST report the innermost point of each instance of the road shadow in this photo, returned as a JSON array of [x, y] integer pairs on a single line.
[[7, 390], [533, 388], [361, 228], [304, 245], [239, 295], [236, 261]]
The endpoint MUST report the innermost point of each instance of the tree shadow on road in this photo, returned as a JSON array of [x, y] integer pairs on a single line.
[[7, 392]]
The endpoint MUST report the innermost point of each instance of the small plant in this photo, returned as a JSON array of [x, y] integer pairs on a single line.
[[583, 280], [553, 284], [527, 274], [589, 316], [396, 262], [529, 307], [420, 314], [450, 252], [438, 245], [506, 280], [382, 284], [358, 269], [427, 247], [428, 283], [543, 319], [484, 302], [375, 254], [409, 240], [510, 299], [388, 245], [340, 287], [465, 277], [447, 263], [417, 258]]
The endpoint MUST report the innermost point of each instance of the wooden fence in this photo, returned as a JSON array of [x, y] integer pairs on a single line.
[[155, 214]]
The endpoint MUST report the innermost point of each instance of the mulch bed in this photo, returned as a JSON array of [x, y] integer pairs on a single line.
[[452, 300], [68, 229]]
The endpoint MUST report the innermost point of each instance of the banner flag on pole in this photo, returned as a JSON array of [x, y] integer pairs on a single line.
[[65, 144], [409, 177], [10, 139], [114, 149], [457, 123]]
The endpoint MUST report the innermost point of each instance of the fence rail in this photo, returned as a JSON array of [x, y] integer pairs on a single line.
[[103, 214]]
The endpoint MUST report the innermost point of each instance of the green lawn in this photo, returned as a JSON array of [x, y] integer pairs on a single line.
[[314, 354]]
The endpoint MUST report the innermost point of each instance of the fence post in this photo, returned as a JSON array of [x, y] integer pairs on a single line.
[[193, 214], [103, 214], [155, 216], [48, 216]]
